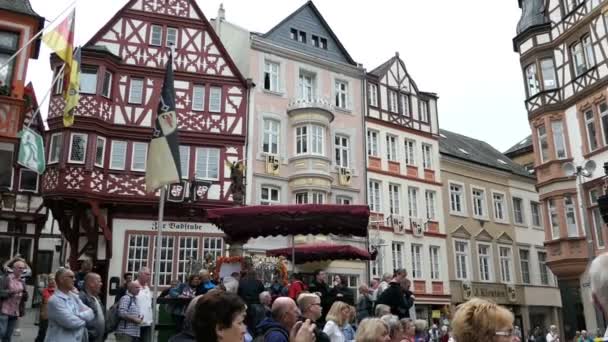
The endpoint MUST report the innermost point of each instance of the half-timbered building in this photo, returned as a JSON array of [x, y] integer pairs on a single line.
[[22, 215], [404, 183], [563, 47], [94, 183]]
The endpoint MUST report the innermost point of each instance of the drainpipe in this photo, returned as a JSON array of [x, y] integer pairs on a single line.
[[248, 148], [364, 135]]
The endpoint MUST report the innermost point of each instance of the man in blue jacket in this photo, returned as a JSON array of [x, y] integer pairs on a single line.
[[285, 314]]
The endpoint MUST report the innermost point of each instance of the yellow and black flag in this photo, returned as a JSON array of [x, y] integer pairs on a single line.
[[72, 95], [163, 165]]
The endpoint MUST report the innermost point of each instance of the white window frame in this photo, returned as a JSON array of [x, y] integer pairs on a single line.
[[373, 94], [184, 159], [427, 156], [271, 132], [434, 264], [406, 100], [374, 194], [167, 42], [598, 223], [479, 206], [373, 149], [86, 75], [460, 275], [307, 85], [133, 156], [506, 264], [55, 143], [412, 201], [315, 142], [310, 197], [393, 101], [536, 217], [521, 211], [85, 138], [602, 109], [397, 248], [391, 147], [124, 157], [58, 88], [270, 189], [272, 70], [553, 218], [547, 69], [430, 199], [206, 162], [341, 94], [417, 264], [543, 140], [394, 198], [410, 152], [559, 139], [198, 97], [488, 259], [156, 41], [344, 200], [103, 151], [523, 261], [543, 269], [499, 205], [570, 212], [106, 90], [215, 92], [21, 170], [590, 129], [424, 111], [533, 84], [342, 150], [132, 90], [461, 198]]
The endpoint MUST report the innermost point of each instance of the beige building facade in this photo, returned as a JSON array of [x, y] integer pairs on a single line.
[[494, 232]]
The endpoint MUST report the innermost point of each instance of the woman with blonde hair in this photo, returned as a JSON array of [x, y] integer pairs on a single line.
[[336, 318], [373, 330], [480, 320], [409, 330]]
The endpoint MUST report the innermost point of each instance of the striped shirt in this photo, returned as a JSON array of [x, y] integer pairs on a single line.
[[128, 307]]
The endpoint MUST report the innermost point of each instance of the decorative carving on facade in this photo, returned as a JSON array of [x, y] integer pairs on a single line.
[[50, 179], [533, 13], [73, 178], [237, 185], [126, 185]]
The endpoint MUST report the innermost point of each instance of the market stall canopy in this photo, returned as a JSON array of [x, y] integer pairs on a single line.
[[242, 223], [321, 251]]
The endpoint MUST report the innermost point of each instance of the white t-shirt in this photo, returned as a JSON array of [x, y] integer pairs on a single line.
[[144, 302], [333, 331], [551, 338]]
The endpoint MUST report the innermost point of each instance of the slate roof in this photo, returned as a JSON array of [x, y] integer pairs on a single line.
[[312, 6], [381, 70], [522, 146], [19, 6], [478, 152]]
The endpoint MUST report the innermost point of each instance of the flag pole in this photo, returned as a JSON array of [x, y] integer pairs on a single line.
[[48, 92], [157, 250], [10, 59]]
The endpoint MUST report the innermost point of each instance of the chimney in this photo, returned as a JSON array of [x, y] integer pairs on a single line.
[[221, 13]]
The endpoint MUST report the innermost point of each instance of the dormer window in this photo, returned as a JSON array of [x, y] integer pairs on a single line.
[[8, 47], [293, 34], [302, 36], [543, 81], [324, 43], [315, 40]]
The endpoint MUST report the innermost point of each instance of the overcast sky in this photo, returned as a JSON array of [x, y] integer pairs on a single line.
[[461, 50]]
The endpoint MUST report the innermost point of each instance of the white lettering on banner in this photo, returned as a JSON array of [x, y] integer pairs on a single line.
[[179, 226]]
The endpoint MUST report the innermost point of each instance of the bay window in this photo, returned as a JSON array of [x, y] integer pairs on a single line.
[[310, 139], [554, 219], [8, 46], [591, 131], [558, 139], [541, 133], [570, 216], [532, 80]]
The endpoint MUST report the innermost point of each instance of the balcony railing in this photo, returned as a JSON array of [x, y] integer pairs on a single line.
[[315, 102]]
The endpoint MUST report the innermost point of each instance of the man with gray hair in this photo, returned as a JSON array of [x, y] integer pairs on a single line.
[[144, 302], [598, 275]]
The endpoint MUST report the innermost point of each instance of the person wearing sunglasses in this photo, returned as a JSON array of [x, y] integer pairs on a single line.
[[480, 320]]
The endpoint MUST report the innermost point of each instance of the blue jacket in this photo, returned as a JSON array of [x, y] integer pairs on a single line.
[[204, 287], [67, 318], [278, 333]]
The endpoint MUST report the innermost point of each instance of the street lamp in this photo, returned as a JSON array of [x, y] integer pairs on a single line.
[[585, 171]]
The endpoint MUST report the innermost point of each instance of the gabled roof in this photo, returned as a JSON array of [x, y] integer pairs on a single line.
[[208, 27], [383, 68], [524, 145], [24, 7], [310, 5], [478, 152], [462, 232]]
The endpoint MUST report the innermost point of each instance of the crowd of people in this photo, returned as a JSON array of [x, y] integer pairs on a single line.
[[240, 308]]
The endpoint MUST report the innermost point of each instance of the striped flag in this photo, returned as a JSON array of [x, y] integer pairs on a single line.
[[72, 95], [163, 166], [61, 38]]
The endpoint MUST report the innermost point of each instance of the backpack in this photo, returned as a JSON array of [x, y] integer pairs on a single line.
[[113, 319], [262, 337]]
